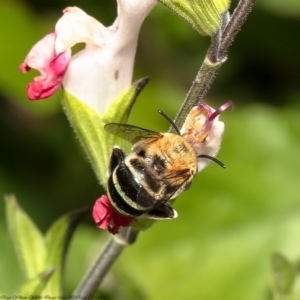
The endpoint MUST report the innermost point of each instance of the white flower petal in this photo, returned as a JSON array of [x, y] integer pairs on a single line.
[[212, 144], [96, 76], [75, 26], [131, 14]]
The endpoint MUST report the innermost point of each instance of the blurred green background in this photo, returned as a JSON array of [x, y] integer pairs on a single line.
[[231, 220]]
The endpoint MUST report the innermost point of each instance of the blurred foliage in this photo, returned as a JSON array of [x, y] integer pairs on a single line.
[[283, 276], [230, 221], [42, 258]]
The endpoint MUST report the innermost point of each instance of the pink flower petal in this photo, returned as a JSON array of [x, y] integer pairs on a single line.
[[41, 54], [102, 212], [106, 217], [52, 67], [212, 116]]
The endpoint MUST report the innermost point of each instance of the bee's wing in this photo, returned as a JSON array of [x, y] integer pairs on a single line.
[[178, 180], [131, 133]]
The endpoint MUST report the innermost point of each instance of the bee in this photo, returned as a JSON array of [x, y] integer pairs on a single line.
[[160, 167]]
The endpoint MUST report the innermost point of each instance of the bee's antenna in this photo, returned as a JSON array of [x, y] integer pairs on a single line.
[[213, 159], [170, 120]]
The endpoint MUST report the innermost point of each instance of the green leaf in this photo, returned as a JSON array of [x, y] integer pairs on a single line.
[[27, 239], [204, 15], [283, 275], [36, 285], [57, 240], [89, 126]]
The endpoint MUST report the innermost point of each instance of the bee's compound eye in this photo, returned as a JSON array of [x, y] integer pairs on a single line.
[[141, 153], [158, 164]]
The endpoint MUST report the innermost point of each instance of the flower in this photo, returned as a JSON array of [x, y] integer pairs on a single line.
[[204, 131], [106, 217], [99, 72], [97, 81]]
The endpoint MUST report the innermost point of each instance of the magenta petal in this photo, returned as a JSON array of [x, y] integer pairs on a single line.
[[117, 221], [40, 55], [212, 116], [106, 218], [52, 67], [24, 67], [220, 110], [39, 90], [122, 220], [45, 85], [102, 212]]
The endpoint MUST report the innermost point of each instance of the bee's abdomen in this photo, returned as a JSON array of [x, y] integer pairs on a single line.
[[123, 192], [149, 181], [120, 202]]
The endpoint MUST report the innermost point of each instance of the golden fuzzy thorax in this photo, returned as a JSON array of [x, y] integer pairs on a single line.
[[179, 154], [170, 156]]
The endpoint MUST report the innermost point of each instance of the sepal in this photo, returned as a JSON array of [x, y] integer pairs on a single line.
[[119, 110], [203, 15]]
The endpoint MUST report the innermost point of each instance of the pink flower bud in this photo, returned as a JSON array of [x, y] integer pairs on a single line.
[[106, 217]]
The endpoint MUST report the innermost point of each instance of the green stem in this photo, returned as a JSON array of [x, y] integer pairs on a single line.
[[238, 18], [111, 251], [198, 90], [214, 59]]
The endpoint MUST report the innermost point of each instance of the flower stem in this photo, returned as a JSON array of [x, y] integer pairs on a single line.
[[215, 57], [112, 249], [238, 18], [197, 91]]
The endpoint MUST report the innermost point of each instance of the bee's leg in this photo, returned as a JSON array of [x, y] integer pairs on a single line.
[[116, 157], [163, 212]]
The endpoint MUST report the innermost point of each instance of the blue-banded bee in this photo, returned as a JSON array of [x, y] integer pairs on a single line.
[[161, 167]]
